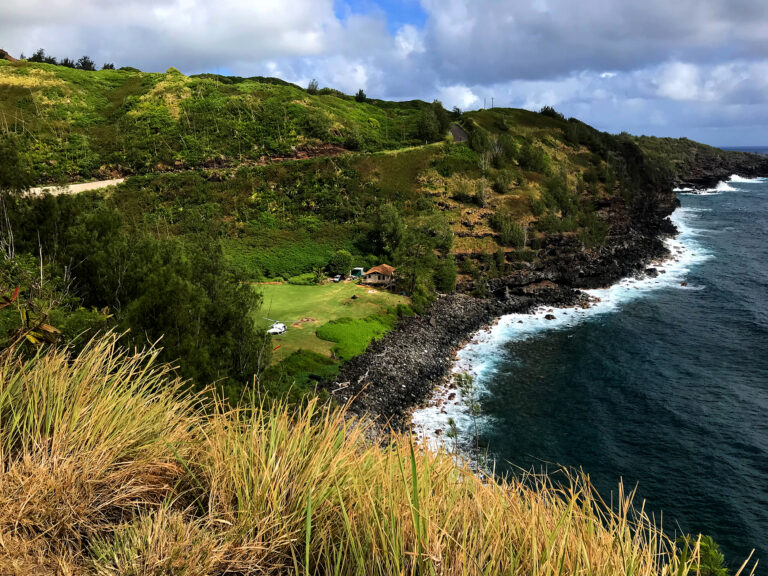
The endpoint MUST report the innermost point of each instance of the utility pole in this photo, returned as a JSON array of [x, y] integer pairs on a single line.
[[491, 102]]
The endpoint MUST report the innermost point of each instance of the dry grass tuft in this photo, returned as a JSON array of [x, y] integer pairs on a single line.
[[105, 470]]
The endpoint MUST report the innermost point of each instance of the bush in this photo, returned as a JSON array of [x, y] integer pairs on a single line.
[[510, 232], [502, 181], [533, 158], [308, 279], [360, 96], [481, 193], [312, 86], [460, 189]]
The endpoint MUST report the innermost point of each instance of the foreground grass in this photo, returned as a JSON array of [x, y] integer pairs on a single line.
[[104, 469]]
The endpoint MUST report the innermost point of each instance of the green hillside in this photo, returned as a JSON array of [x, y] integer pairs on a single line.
[[78, 124], [233, 181]]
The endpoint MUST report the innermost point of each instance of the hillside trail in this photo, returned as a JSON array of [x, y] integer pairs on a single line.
[[325, 152], [55, 190]]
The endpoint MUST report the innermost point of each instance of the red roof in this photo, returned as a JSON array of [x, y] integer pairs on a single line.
[[383, 269]]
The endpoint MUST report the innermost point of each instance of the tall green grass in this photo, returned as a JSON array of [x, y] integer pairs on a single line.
[[104, 470]]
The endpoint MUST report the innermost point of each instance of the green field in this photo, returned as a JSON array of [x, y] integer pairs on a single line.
[[291, 304]]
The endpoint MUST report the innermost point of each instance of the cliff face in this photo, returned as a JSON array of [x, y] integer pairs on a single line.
[[706, 170], [700, 166]]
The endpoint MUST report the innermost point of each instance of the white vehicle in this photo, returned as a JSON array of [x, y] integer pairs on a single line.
[[277, 328]]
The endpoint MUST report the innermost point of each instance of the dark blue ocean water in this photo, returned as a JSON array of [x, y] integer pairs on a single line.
[[661, 385]]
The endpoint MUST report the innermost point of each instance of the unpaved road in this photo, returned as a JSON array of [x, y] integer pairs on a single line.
[[74, 188]]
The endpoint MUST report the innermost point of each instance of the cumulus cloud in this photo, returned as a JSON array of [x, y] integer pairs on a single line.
[[696, 67]]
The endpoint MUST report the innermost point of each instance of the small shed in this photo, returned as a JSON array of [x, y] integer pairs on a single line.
[[357, 272], [380, 275]]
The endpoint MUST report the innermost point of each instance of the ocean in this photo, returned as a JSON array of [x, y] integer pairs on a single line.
[[663, 383]]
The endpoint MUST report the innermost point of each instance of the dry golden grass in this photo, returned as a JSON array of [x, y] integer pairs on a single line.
[[107, 470]]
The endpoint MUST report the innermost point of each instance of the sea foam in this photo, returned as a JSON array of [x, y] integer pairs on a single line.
[[482, 354], [741, 180]]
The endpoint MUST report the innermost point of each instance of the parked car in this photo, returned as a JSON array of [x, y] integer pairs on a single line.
[[338, 278]]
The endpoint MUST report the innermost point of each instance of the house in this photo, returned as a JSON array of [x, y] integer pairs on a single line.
[[380, 275]]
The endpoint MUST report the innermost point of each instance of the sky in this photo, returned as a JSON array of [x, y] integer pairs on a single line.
[[695, 68]]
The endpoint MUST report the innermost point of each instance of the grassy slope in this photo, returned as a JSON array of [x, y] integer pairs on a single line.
[[291, 304], [79, 124], [147, 483]]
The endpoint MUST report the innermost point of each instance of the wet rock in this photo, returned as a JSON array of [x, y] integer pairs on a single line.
[[550, 317]]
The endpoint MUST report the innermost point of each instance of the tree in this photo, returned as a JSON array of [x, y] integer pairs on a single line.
[[360, 96], [40, 56], [445, 275], [340, 263], [429, 127], [68, 62], [551, 112], [443, 118], [14, 178], [85, 63], [108, 66], [312, 86], [388, 230]]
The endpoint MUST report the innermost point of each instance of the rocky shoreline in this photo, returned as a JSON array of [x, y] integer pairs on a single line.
[[400, 371]]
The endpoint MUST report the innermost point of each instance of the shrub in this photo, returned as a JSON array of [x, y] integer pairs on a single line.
[[460, 189], [308, 279], [533, 158], [481, 193], [510, 232], [360, 96], [312, 86], [502, 181]]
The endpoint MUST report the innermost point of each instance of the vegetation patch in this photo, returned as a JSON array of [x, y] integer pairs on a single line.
[[353, 335]]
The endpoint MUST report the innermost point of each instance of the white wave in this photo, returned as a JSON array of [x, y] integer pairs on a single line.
[[719, 189], [481, 356], [741, 180], [683, 190]]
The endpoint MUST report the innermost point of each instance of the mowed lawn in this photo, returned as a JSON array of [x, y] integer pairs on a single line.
[[293, 305]]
